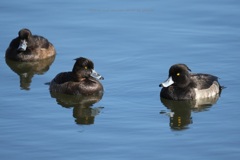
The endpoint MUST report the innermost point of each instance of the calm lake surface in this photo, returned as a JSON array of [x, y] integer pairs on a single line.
[[133, 44]]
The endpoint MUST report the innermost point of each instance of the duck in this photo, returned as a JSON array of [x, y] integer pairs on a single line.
[[82, 80], [27, 47], [184, 85]]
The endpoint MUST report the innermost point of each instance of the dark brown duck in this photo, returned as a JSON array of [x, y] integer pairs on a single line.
[[28, 47], [82, 80]]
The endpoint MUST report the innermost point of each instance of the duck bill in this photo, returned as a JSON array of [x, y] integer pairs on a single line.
[[94, 74], [22, 46], [167, 83]]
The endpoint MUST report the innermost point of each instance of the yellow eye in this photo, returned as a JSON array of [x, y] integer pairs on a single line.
[[178, 74], [85, 67]]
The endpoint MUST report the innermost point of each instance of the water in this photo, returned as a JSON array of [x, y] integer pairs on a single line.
[[132, 44]]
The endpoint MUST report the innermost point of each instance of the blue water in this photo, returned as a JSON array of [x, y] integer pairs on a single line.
[[133, 44]]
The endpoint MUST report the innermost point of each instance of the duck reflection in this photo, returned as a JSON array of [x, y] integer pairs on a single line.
[[83, 112], [180, 115], [26, 70]]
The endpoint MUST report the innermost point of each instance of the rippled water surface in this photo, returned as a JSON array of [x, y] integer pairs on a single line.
[[133, 44]]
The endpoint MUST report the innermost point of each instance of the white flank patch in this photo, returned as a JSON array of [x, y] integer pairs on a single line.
[[207, 93]]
